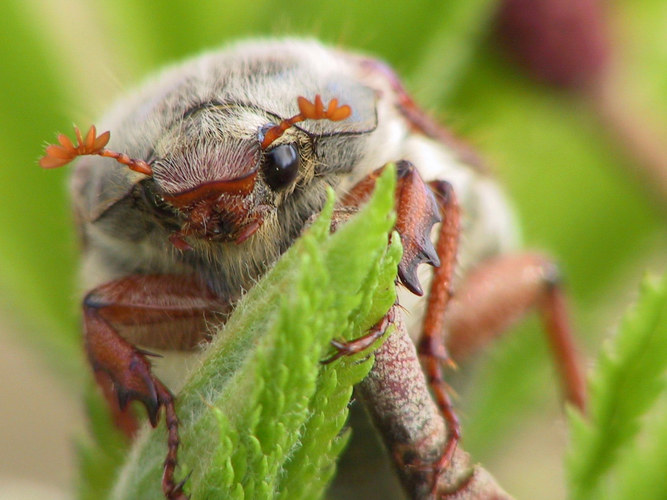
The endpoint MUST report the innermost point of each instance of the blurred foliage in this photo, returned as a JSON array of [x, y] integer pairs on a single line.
[[65, 61], [629, 377]]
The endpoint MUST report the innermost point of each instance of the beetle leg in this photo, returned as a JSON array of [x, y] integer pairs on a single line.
[[417, 212], [431, 346], [127, 305], [488, 302], [418, 209], [500, 292], [348, 348], [131, 375]]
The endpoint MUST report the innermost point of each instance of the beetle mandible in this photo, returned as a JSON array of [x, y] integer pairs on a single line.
[[229, 155]]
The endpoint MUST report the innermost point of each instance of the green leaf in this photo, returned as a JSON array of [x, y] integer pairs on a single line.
[[641, 469], [262, 417], [629, 377]]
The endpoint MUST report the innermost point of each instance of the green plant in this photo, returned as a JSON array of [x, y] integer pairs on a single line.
[[261, 417], [66, 61], [609, 458]]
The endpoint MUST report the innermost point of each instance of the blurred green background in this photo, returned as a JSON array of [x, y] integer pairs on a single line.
[[65, 61]]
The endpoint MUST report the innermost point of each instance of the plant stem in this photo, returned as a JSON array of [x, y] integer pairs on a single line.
[[398, 400]]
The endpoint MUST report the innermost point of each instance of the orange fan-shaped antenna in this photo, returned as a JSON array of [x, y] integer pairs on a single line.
[[57, 155], [308, 111]]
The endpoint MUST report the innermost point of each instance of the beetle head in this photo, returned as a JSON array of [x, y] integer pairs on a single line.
[[213, 178], [208, 183]]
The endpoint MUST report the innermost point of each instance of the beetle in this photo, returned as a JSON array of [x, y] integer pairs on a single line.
[[228, 156]]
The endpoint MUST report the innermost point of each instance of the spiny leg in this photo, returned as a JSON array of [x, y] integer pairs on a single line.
[[348, 348], [152, 304], [491, 298], [131, 376], [418, 209], [431, 346], [417, 212]]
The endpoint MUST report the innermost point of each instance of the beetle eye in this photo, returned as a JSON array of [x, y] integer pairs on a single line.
[[281, 166], [155, 203]]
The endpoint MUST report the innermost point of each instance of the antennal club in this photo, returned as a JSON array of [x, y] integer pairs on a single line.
[[57, 155], [308, 111]]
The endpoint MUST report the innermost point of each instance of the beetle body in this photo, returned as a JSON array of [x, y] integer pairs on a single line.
[[198, 122], [229, 162]]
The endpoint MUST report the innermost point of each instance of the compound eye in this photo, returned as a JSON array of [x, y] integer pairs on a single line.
[[154, 203], [281, 166]]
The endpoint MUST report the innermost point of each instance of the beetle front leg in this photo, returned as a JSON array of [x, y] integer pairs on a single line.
[[417, 212], [132, 379], [418, 208], [145, 307]]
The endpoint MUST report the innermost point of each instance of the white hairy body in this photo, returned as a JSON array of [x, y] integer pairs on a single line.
[[234, 92]]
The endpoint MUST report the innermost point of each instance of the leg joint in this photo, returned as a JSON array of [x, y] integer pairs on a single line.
[[92, 300], [443, 191], [552, 276], [403, 168]]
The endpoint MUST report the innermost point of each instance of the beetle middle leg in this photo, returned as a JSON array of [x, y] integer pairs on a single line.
[[431, 346], [158, 311], [489, 300], [497, 294]]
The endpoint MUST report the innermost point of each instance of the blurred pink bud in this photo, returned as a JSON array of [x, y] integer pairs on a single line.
[[561, 42]]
